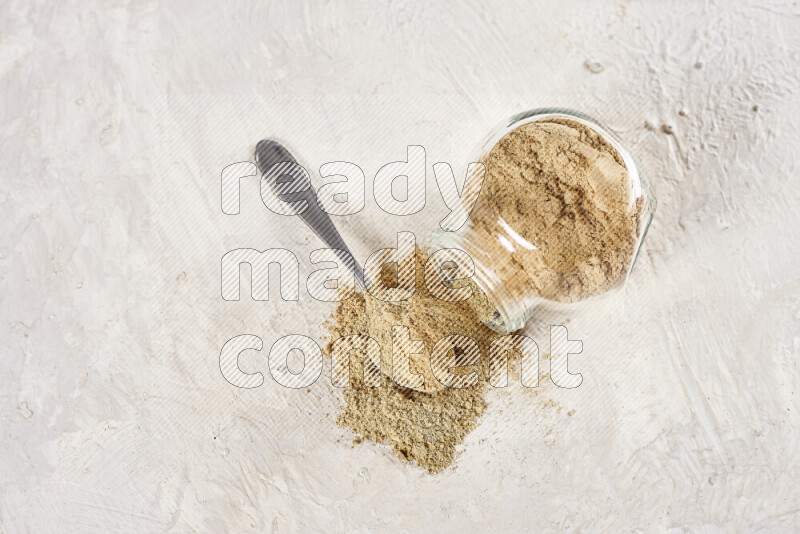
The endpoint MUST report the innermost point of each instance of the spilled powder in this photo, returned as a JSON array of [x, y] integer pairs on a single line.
[[421, 426]]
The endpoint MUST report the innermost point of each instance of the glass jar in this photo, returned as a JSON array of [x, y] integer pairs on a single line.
[[565, 225]]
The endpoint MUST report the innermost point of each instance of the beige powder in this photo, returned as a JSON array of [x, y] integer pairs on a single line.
[[428, 319], [565, 190], [422, 426]]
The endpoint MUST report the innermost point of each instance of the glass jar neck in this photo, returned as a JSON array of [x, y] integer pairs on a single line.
[[510, 314]]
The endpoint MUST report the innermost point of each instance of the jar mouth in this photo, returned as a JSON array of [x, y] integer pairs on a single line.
[[506, 318]]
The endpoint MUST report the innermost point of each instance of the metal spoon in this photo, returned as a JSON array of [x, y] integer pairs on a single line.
[[268, 153]]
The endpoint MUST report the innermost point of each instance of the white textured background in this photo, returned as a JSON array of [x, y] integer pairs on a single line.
[[117, 119]]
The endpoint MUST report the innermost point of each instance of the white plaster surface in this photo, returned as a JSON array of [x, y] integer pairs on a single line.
[[117, 118]]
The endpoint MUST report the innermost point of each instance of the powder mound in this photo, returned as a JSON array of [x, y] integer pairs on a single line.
[[428, 319], [422, 426]]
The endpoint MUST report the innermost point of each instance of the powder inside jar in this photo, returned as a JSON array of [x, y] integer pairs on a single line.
[[563, 191]]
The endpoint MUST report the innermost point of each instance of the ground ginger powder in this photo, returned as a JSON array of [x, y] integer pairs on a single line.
[[564, 190], [421, 426]]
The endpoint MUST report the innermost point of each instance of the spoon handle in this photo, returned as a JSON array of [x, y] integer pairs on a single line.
[[268, 153]]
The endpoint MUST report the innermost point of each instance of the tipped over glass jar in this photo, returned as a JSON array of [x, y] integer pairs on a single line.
[[561, 216]]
